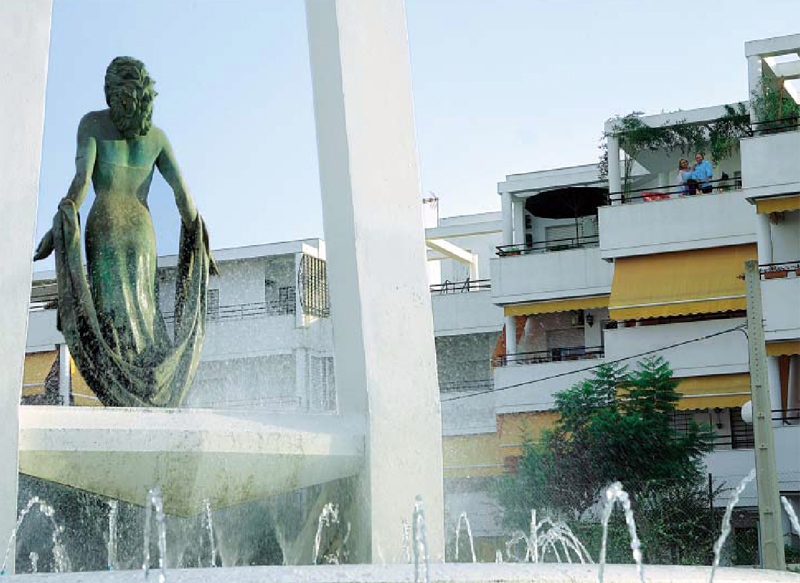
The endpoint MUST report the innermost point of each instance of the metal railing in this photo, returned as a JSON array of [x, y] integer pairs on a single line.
[[468, 285], [779, 270], [550, 355], [243, 311], [774, 126], [466, 386], [548, 246], [741, 435], [650, 193]]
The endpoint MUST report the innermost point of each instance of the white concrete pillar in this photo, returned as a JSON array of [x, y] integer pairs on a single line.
[[764, 239], [614, 176], [754, 78], [774, 377], [380, 304], [24, 46], [519, 221], [511, 336], [508, 218], [794, 385], [64, 374], [299, 314]]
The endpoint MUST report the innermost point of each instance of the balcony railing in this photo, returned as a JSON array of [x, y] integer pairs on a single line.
[[741, 435], [650, 193], [455, 287], [243, 311], [547, 246], [774, 126], [550, 355], [779, 270], [466, 386]]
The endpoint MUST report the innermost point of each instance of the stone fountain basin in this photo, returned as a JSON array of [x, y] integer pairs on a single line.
[[225, 456], [452, 573]]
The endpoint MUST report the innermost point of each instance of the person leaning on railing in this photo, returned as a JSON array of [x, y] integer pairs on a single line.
[[702, 174]]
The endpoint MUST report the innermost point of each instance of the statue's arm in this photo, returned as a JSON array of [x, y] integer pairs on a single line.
[[84, 164], [168, 167]]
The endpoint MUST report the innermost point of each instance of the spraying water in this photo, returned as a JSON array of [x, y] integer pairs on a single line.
[[420, 542], [405, 544], [463, 518], [155, 500], [113, 513], [210, 529], [726, 521], [59, 552], [792, 516], [34, 557], [328, 516], [613, 494], [540, 541], [498, 556]]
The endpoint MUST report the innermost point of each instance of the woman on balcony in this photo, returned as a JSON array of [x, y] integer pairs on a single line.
[[685, 175]]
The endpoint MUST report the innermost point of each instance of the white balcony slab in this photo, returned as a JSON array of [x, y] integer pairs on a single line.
[[781, 302], [465, 313], [770, 163], [725, 354], [553, 275], [226, 457], [680, 224]]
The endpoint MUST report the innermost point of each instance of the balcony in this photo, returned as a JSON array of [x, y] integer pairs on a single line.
[[780, 290], [724, 354], [644, 226], [550, 355], [464, 307], [769, 160], [549, 270]]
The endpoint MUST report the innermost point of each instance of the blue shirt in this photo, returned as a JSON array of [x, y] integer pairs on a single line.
[[703, 172]]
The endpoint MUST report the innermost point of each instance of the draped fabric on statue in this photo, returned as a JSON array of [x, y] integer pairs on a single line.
[[125, 362]]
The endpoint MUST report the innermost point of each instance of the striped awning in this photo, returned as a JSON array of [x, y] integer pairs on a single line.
[[778, 204], [698, 281], [712, 391], [783, 348], [550, 306]]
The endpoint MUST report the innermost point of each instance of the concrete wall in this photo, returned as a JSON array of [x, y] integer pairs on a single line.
[[785, 235], [558, 274], [780, 299], [465, 313], [771, 160], [726, 354], [696, 222]]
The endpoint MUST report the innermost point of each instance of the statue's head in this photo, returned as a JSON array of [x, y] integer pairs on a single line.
[[129, 95]]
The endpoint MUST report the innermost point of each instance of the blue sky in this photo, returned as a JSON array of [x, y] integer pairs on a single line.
[[500, 87]]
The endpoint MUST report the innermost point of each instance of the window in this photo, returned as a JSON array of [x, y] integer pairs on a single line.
[[286, 300], [212, 304]]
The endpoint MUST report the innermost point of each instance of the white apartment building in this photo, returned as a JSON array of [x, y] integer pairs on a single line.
[[589, 274]]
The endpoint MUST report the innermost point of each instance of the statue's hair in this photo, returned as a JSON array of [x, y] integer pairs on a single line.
[[129, 95]]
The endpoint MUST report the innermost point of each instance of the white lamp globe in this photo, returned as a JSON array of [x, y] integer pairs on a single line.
[[747, 412]]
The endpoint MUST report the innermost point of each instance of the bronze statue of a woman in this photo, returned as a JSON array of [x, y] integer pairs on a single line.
[[111, 321]]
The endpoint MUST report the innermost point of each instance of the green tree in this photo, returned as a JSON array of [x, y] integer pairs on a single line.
[[617, 426]]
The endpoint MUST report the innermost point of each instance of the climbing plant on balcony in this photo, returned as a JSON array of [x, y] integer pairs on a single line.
[[774, 105], [718, 138]]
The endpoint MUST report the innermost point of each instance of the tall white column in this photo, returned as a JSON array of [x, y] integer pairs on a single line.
[[614, 176], [774, 376], [519, 221], [511, 336], [24, 45], [380, 304], [754, 79], [764, 239], [508, 219], [64, 374]]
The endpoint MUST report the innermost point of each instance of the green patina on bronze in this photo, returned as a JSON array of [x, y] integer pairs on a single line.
[[109, 313]]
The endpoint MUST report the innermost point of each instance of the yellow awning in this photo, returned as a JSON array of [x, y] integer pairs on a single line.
[[547, 307], [785, 348], [37, 367], [778, 205], [709, 392], [699, 281]]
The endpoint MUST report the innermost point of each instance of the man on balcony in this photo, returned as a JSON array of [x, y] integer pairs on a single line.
[[703, 173]]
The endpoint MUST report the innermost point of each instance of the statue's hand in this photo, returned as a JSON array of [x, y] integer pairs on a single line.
[[45, 247]]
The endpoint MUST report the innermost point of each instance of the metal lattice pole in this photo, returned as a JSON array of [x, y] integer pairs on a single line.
[[769, 509]]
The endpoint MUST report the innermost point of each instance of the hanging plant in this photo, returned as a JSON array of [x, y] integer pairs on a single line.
[[718, 137]]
